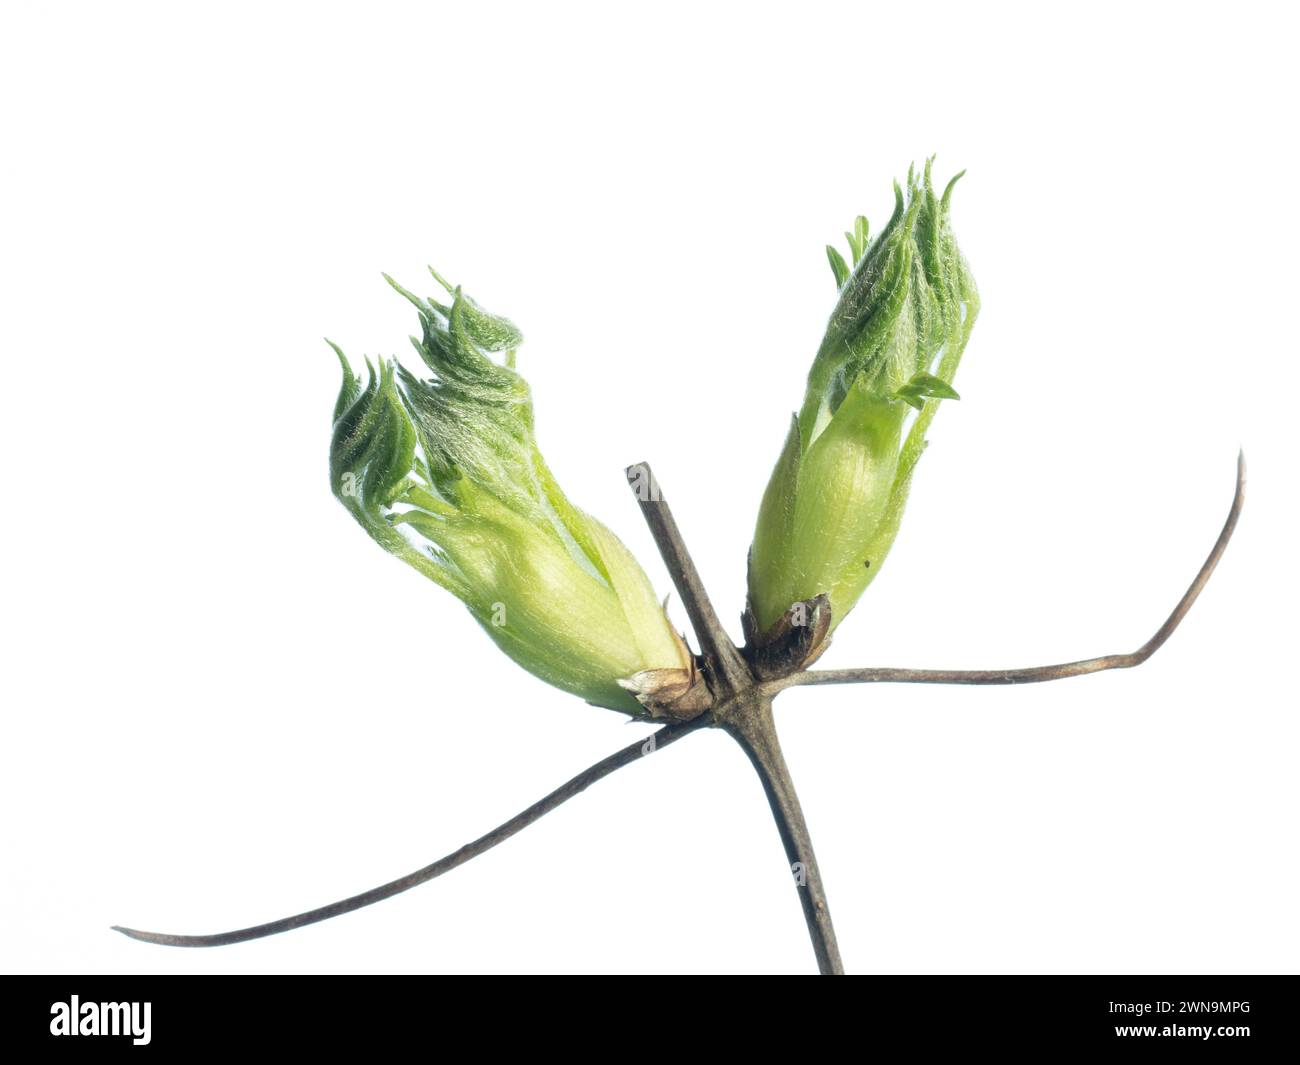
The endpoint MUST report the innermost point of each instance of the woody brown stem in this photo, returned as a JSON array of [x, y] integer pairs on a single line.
[[753, 728], [633, 752], [745, 712], [727, 666], [742, 706]]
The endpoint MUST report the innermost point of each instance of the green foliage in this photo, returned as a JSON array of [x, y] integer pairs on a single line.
[[895, 336], [445, 473]]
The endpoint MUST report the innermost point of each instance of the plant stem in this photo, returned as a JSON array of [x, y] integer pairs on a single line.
[[727, 668], [751, 726], [744, 709], [633, 752]]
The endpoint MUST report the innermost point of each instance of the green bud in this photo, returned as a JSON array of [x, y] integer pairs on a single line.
[[445, 473], [835, 499]]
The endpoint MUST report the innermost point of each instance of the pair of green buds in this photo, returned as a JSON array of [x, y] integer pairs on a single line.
[[445, 473]]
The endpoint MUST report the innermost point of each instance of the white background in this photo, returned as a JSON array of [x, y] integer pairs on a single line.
[[223, 703]]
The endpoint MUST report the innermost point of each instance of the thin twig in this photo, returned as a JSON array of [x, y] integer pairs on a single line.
[[746, 714], [715, 644], [629, 754], [756, 734], [744, 710], [1035, 674]]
